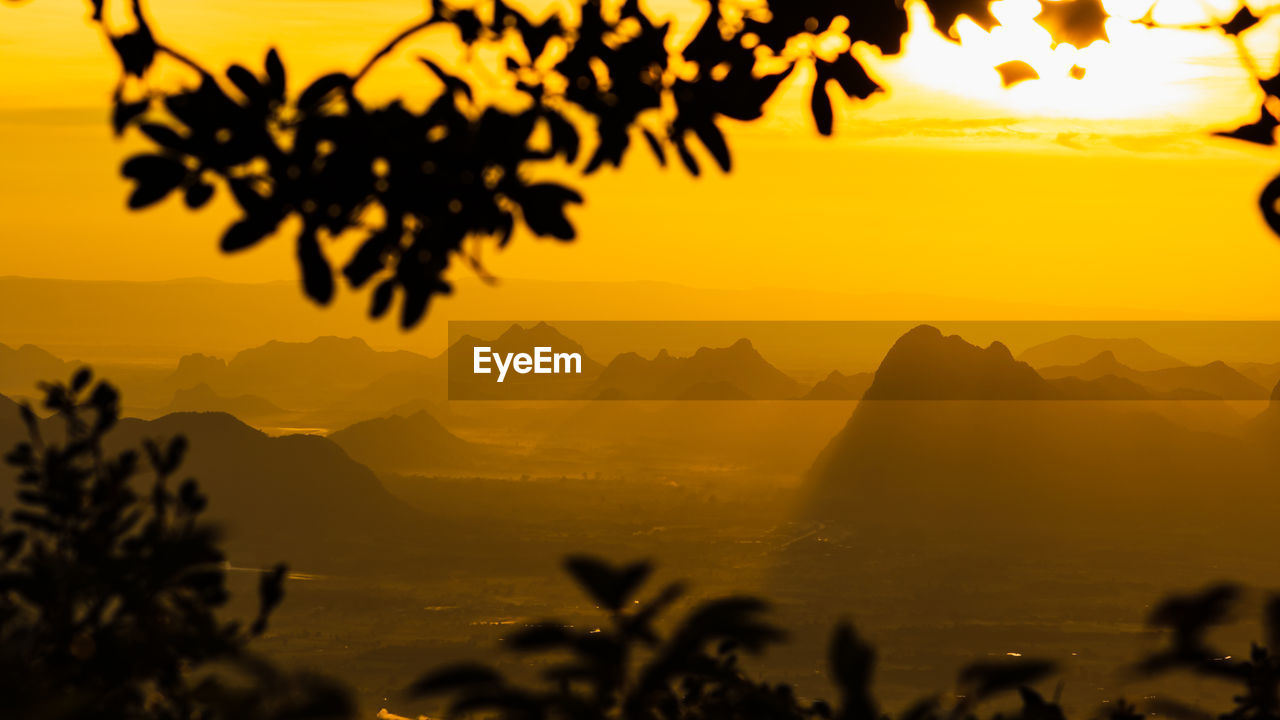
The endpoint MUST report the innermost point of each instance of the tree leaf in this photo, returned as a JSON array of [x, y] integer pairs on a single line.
[[276, 78], [543, 205], [1241, 21], [246, 83], [198, 194], [1078, 22], [136, 50], [713, 139], [245, 233], [382, 296], [317, 92], [317, 276], [155, 177], [656, 146], [163, 136], [820, 106], [1016, 71], [611, 587]]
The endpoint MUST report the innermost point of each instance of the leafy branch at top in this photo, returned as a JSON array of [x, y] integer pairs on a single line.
[[575, 88]]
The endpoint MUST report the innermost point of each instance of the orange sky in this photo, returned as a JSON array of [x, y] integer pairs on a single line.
[[1102, 193]]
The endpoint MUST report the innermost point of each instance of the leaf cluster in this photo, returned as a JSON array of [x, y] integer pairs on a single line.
[[110, 586], [421, 188]]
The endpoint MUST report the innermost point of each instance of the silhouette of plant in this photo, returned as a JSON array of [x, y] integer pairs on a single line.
[[109, 596], [109, 592], [420, 187], [1191, 618], [628, 669]]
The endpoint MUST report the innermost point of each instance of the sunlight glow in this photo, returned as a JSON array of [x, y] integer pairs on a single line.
[[1141, 73]]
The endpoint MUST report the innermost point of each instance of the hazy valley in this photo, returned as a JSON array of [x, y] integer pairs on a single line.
[[959, 500]]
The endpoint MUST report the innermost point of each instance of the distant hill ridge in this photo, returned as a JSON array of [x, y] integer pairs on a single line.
[[838, 386], [414, 443], [735, 372], [299, 498], [202, 398], [926, 365], [1077, 349], [1215, 379], [21, 368]]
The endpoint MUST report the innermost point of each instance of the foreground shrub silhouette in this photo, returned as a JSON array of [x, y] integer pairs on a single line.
[[627, 669], [109, 591], [109, 597]]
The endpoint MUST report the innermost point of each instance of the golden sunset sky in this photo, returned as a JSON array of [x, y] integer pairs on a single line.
[[1106, 192]]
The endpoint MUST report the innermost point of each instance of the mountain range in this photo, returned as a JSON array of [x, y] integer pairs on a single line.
[[1215, 379], [839, 386], [1076, 349], [965, 456], [737, 372]]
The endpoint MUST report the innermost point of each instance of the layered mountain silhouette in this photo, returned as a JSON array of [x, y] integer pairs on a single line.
[[417, 443], [1265, 374], [198, 369], [926, 365], [957, 455], [1076, 349], [292, 373], [299, 497], [838, 386], [202, 398], [737, 372], [1214, 380], [21, 368]]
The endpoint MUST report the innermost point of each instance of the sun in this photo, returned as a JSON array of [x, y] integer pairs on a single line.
[[1138, 72]]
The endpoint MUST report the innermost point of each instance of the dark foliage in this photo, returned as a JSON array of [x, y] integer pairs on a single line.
[[109, 590], [421, 187], [109, 595], [628, 669]]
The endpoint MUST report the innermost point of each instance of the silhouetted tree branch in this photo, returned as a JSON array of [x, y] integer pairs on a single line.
[[423, 187]]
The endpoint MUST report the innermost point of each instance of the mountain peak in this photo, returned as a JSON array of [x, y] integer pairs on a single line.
[[1131, 352], [999, 349], [926, 365]]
